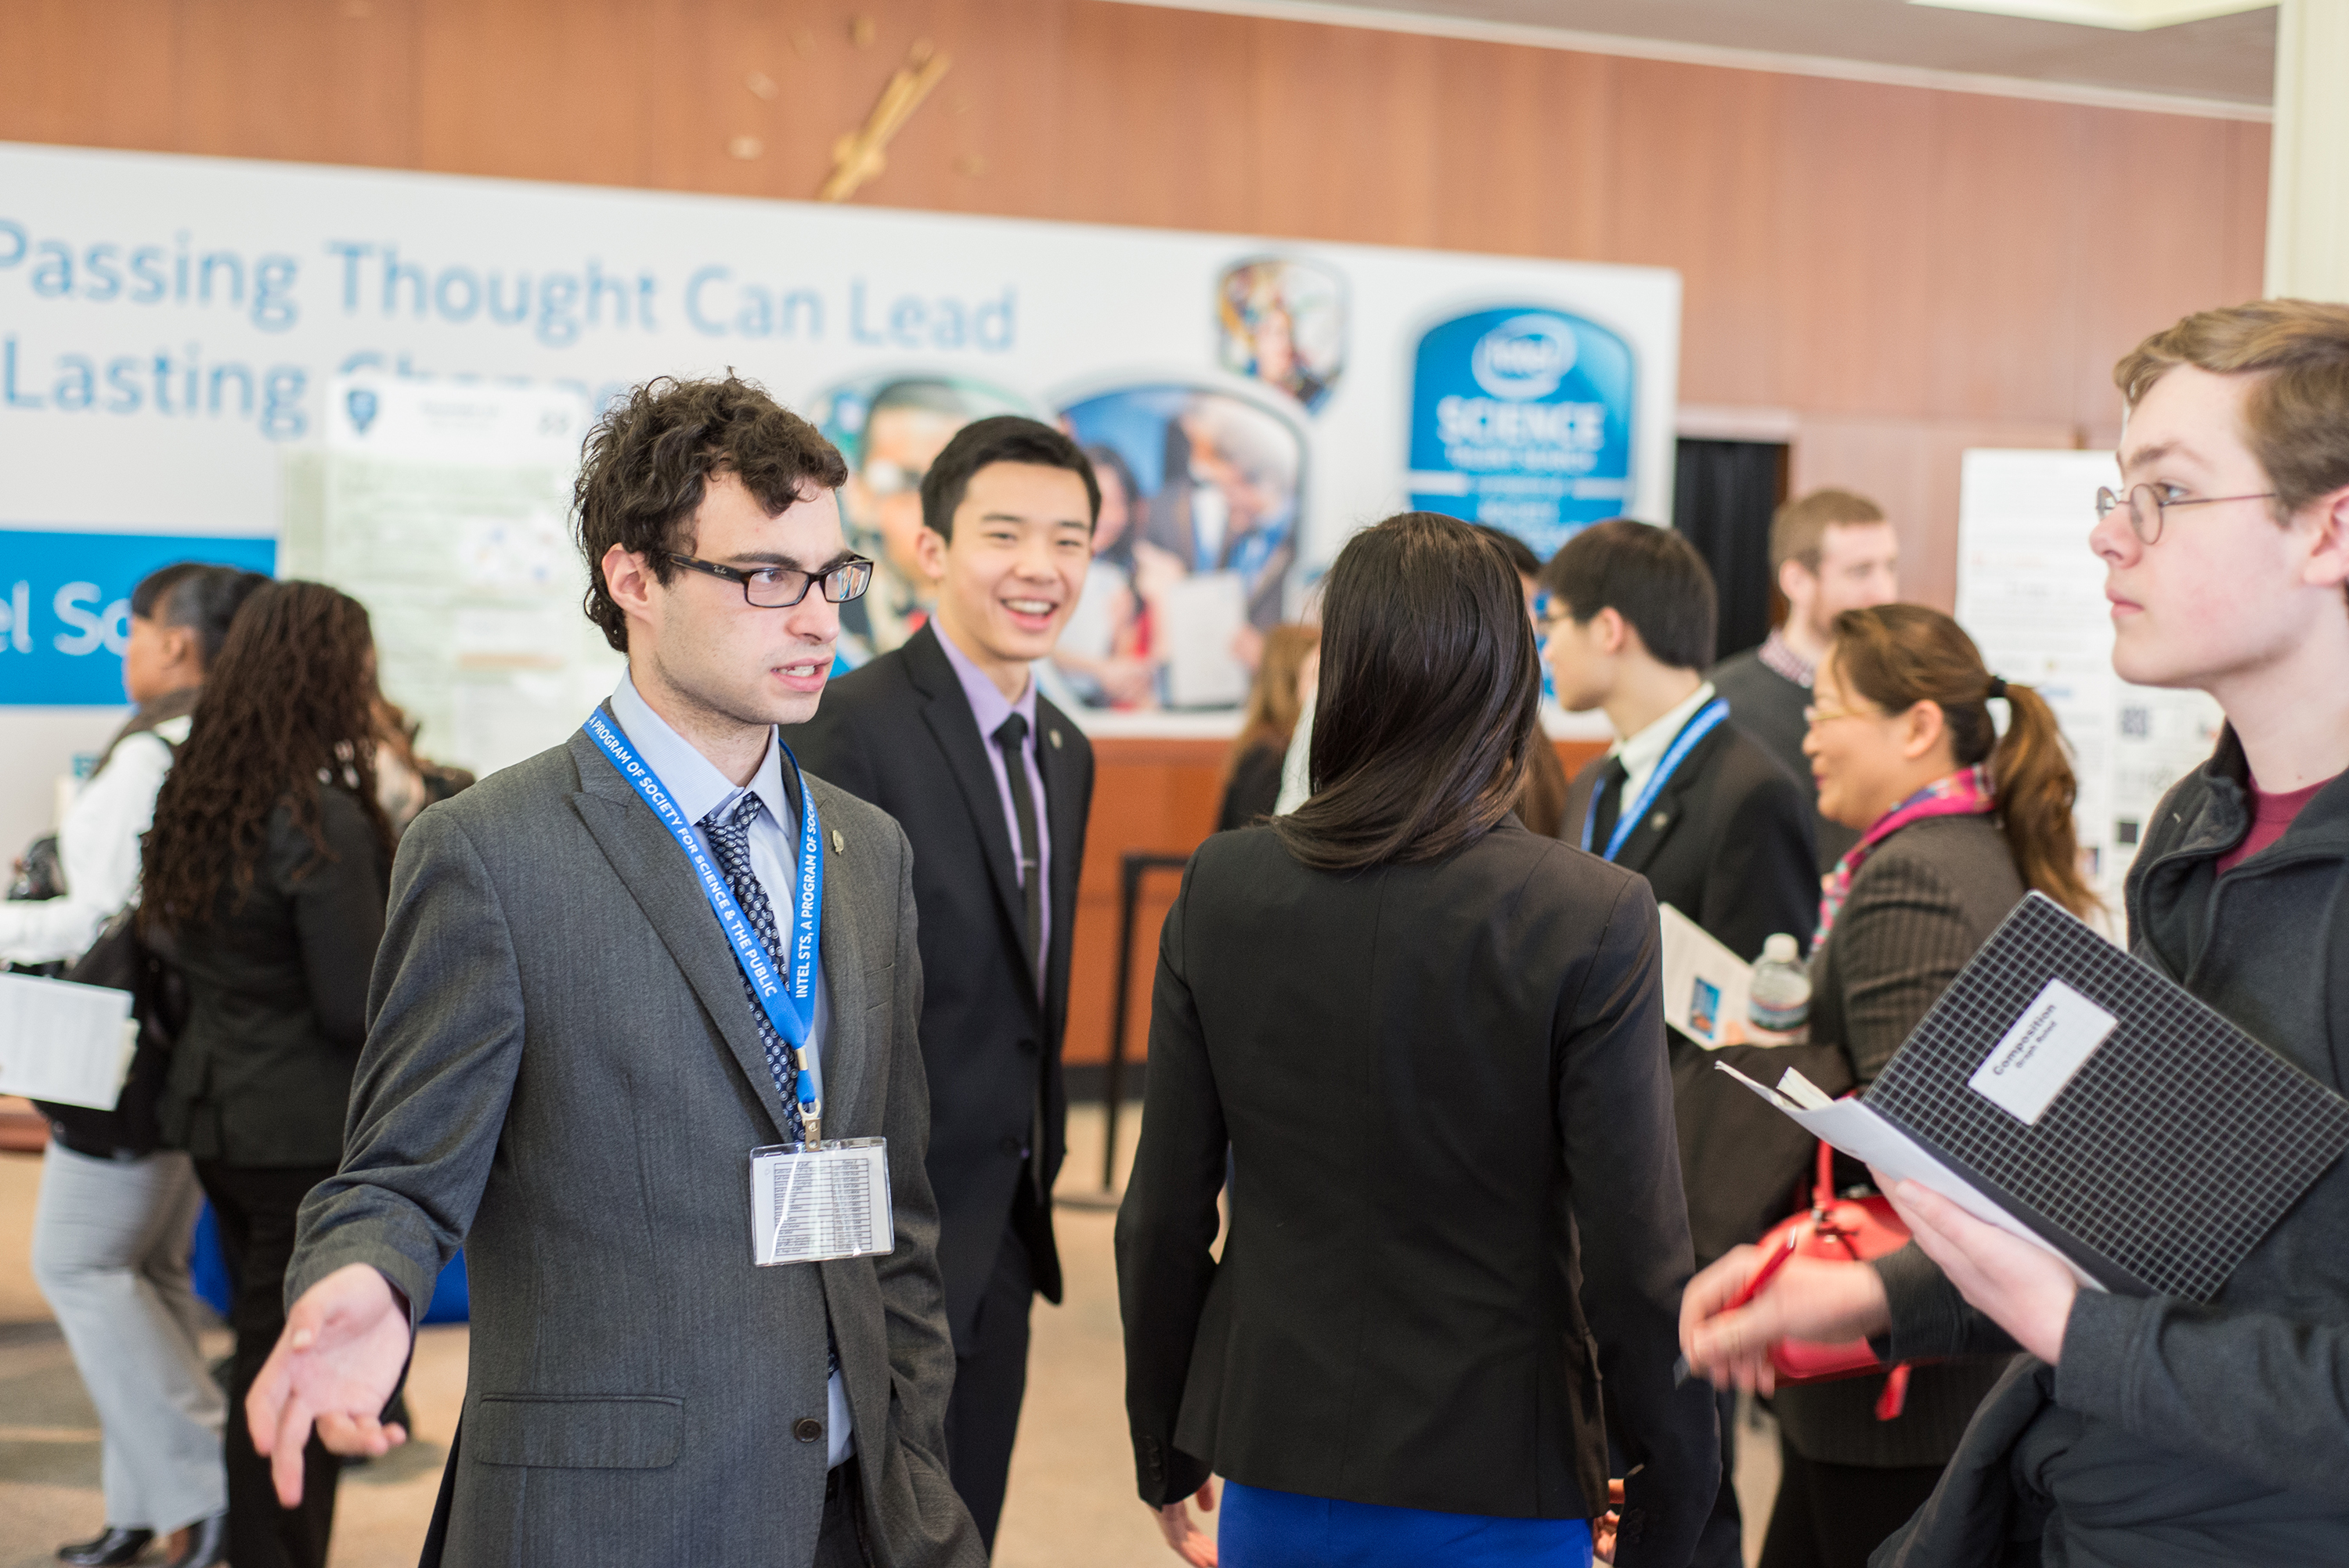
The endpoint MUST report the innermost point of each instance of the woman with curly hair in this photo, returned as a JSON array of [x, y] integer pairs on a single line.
[[265, 878]]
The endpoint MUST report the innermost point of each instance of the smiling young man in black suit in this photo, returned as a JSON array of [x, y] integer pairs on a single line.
[[992, 785], [1718, 827]]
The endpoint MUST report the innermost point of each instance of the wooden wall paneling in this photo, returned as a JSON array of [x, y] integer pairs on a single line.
[[1910, 468], [1852, 259], [1153, 795], [2169, 222], [1997, 246], [1698, 190], [328, 83], [1170, 147], [532, 89], [92, 73]]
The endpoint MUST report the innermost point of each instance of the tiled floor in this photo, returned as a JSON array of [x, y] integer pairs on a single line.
[[1071, 1502]]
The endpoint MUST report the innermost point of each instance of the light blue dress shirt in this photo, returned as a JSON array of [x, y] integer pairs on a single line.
[[694, 782]]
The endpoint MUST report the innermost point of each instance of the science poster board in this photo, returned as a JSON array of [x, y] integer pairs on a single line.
[[2032, 593], [175, 335]]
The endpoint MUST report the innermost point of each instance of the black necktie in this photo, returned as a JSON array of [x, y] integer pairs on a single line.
[[1011, 736], [1609, 806]]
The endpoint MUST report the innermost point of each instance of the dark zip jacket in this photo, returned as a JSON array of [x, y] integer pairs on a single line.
[[2175, 1435]]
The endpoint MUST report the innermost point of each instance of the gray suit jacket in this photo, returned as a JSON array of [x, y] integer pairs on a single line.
[[562, 1074]]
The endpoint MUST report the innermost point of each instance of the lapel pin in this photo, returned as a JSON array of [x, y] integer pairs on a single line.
[[1656, 821], [838, 844], [1055, 733]]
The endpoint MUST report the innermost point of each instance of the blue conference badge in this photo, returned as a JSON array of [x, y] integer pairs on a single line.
[[65, 606], [1521, 418]]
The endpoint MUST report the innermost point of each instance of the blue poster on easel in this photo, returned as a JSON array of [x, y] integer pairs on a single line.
[[1521, 418]]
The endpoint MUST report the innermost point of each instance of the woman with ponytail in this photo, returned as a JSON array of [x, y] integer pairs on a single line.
[[267, 873], [1956, 823]]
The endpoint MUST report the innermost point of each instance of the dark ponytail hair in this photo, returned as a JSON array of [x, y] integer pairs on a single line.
[[1425, 718], [1897, 655]]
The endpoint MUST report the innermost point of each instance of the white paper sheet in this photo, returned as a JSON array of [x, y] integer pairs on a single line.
[[1205, 614], [64, 1042], [1853, 1127], [1705, 984]]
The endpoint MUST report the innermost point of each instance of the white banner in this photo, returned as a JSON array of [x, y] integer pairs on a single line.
[[171, 329]]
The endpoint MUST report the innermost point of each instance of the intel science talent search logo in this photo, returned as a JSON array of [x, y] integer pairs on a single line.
[[1524, 358], [360, 402]]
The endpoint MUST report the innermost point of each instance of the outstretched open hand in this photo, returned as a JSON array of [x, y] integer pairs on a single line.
[[334, 1368]]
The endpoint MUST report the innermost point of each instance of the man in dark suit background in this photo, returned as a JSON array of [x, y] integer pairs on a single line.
[[1722, 832], [992, 785], [1832, 552]]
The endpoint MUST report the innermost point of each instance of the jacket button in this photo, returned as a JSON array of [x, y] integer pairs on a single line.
[[807, 1428], [1009, 1145]]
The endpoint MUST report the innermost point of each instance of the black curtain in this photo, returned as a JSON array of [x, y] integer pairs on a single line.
[[1723, 495]]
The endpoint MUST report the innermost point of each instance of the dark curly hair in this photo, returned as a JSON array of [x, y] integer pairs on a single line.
[[649, 459], [289, 703]]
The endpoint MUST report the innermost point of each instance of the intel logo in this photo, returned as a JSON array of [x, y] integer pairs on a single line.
[[1524, 357]]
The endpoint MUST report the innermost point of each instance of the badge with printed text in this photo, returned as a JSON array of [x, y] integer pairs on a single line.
[[813, 1202]]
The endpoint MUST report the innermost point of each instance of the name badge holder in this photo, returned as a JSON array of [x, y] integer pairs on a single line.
[[812, 1201]]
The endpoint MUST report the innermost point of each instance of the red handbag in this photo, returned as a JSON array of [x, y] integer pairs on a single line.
[[1839, 1230]]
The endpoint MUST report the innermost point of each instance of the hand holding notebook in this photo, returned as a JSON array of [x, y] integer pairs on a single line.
[[2074, 1098]]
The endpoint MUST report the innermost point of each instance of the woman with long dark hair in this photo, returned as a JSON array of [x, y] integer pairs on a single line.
[[1956, 822], [1276, 699], [1433, 1045], [266, 876]]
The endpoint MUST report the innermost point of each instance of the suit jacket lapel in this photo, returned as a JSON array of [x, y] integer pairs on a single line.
[[847, 1055], [1670, 804], [956, 728], [1064, 817], [660, 879]]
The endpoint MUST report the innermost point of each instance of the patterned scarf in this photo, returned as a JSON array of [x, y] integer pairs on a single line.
[[1965, 793]]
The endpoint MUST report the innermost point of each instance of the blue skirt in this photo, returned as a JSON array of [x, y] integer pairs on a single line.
[[1265, 1528]]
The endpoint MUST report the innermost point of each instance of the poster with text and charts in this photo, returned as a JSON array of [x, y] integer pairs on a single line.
[[2032, 593], [174, 332]]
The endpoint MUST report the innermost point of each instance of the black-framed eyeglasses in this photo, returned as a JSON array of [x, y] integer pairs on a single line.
[[781, 587], [2146, 509]]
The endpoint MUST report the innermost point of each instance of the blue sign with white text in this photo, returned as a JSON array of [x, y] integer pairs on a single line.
[[65, 606], [1521, 418]]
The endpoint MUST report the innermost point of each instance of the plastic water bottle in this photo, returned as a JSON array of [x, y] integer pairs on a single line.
[[1779, 1001]]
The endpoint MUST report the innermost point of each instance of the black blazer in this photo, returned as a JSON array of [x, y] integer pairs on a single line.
[[277, 982], [1455, 1204], [899, 733], [1728, 843]]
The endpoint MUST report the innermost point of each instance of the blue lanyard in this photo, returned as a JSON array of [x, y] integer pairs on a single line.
[[1695, 729], [784, 1008]]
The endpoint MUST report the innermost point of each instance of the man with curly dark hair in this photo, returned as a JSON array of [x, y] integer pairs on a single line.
[[614, 979]]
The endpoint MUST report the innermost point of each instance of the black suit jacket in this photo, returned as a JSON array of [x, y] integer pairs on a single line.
[[1728, 843], [1456, 1204], [277, 983], [900, 733]]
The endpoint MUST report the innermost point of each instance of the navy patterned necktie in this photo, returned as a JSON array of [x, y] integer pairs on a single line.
[[729, 837]]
